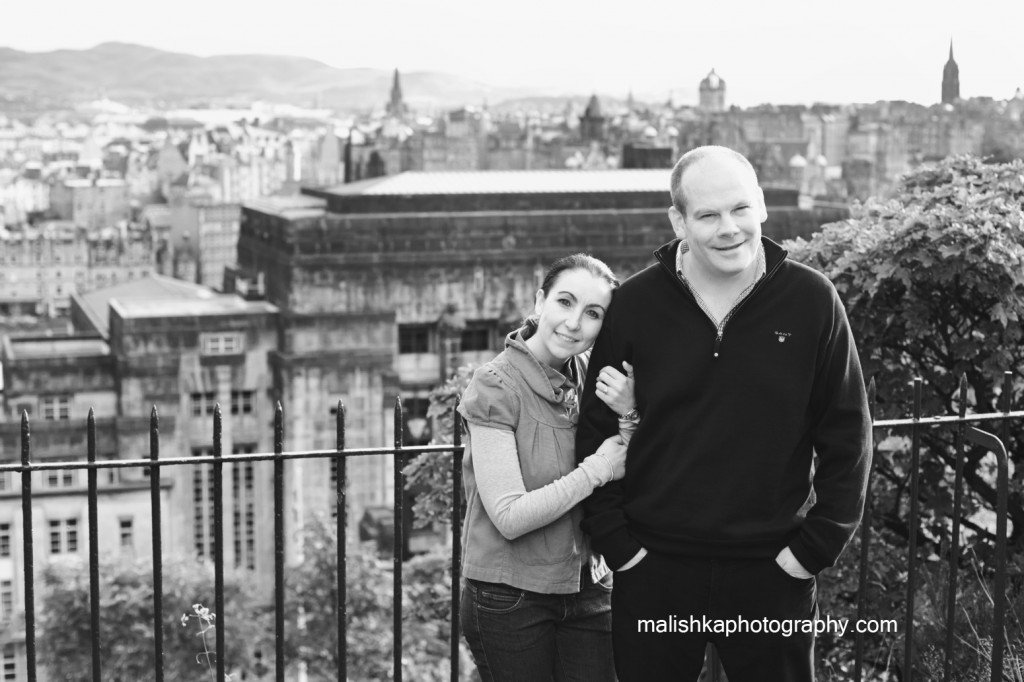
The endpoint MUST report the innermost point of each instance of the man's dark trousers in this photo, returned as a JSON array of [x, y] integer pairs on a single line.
[[671, 590]]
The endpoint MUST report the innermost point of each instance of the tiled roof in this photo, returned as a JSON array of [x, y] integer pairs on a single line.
[[509, 182]]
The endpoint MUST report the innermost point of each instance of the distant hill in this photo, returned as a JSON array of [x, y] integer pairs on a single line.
[[136, 74]]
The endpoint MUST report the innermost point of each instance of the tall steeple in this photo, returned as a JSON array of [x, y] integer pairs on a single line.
[[396, 106], [950, 79]]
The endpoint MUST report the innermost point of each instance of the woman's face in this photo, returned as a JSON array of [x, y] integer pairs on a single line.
[[571, 315]]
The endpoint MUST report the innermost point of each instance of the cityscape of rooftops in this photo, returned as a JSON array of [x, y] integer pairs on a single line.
[[220, 205]]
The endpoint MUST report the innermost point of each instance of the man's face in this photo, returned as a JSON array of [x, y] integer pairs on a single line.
[[724, 211]]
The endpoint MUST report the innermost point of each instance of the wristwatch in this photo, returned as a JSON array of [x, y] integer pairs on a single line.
[[630, 416]]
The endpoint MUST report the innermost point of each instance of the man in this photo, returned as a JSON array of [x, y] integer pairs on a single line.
[[744, 369]]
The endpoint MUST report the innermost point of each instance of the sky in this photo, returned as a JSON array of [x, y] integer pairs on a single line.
[[787, 51]]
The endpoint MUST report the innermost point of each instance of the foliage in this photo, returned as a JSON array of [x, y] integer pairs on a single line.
[[426, 620], [933, 283], [432, 472], [126, 621]]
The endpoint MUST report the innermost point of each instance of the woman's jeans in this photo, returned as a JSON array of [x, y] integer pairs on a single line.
[[521, 636]]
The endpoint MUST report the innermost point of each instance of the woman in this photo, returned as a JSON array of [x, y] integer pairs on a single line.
[[536, 604]]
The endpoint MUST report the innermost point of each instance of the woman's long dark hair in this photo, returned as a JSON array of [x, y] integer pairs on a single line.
[[577, 261]]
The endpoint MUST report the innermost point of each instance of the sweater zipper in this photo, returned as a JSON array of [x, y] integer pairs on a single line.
[[728, 316]]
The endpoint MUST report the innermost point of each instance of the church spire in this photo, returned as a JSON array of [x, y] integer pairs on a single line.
[[950, 78], [396, 105]]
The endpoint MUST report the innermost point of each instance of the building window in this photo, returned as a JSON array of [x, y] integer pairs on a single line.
[[64, 536], [242, 402], [477, 336], [5, 480], [202, 506], [414, 338], [243, 489], [5, 539], [127, 530], [417, 426], [203, 403], [6, 600], [223, 343], [55, 407], [10, 663], [60, 478]]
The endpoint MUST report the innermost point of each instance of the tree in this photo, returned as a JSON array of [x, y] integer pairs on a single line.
[[312, 597], [432, 472], [933, 283], [126, 622]]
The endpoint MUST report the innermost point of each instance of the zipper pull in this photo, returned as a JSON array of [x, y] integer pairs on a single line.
[[718, 341]]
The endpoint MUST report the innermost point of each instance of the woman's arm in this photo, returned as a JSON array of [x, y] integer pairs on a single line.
[[513, 510]]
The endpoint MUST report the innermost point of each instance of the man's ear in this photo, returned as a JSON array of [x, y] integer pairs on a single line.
[[678, 222], [762, 208]]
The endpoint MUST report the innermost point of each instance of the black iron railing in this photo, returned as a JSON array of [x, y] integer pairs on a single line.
[[965, 433], [154, 463]]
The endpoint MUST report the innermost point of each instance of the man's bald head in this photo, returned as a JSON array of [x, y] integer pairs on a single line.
[[692, 158]]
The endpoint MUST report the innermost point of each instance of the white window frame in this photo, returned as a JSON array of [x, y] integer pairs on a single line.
[[55, 407], [64, 531], [222, 343]]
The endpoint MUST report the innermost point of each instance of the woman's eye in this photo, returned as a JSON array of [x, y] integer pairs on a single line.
[[594, 314], [564, 302]]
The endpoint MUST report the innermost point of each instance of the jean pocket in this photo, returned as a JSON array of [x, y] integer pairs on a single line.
[[781, 571], [495, 597]]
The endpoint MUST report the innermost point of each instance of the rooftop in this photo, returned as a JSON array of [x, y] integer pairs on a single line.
[[55, 347], [293, 206], [157, 295], [509, 182], [219, 304]]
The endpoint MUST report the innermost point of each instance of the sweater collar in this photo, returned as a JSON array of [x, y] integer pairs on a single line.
[[547, 382]]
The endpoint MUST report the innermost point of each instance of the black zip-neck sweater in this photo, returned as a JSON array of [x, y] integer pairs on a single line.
[[721, 463]]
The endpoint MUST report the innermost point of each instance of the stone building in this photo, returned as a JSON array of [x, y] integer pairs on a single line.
[[41, 268], [91, 202], [366, 280]]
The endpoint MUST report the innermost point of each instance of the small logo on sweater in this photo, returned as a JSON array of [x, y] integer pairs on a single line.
[[783, 336]]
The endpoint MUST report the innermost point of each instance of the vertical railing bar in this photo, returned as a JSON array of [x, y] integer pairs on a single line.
[[28, 559], [456, 537], [915, 459], [399, 543], [999, 609], [991, 442], [279, 542], [865, 546], [94, 549], [341, 535], [158, 578], [954, 545], [1002, 501], [218, 538]]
